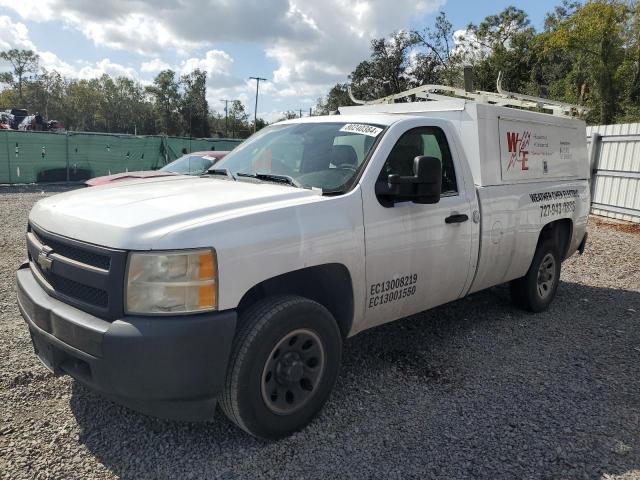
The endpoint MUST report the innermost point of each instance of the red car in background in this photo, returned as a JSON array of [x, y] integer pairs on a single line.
[[195, 163]]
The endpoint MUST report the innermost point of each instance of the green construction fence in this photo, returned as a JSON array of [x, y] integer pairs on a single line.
[[43, 157]]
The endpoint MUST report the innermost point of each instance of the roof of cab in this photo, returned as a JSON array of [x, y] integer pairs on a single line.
[[369, 118]]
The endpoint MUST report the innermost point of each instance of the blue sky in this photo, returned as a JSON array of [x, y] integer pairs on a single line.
[[301, 46]]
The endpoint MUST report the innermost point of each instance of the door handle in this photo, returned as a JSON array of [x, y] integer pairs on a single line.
[[456, 218]]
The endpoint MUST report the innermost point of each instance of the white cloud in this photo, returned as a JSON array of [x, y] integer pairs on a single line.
[[31, 8], [51, 61], [106, 66], [86, 70], [215, 62], [314, 43], [153, 26], [344, 30], [14, 35], [153, 66], [135, 32]]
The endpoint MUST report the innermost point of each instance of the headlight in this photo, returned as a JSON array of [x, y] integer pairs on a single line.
[[171, 282]]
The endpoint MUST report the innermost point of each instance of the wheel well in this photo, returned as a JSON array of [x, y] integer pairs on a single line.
[[329, 285], [560, 231]]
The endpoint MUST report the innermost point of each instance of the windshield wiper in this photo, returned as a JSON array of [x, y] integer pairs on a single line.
[[272, 177], [221, 171]]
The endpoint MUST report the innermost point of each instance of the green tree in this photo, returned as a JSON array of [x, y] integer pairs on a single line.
[[437, 61], [81, 106], [338, 96], [503, 42], [260, 124], [124, 107], [629, 72], [195, 109], [167, 100], [499, 30], [386, 71], [23, 62], [288, 115], [217, 124], [238, 120], [594, 34], [45, 93]]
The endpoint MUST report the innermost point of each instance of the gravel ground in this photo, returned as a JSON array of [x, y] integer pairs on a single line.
[[474, 389]]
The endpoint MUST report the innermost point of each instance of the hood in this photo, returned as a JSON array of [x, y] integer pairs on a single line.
[[127, 176], [137, 213]]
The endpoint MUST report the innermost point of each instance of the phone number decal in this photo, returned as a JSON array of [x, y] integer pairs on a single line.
[[557, 208], [392, 290]]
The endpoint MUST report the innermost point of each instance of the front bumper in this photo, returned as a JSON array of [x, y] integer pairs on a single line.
[[170, 367]]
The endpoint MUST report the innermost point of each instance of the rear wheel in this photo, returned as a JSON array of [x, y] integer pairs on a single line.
[[537, 289], [284, 363]]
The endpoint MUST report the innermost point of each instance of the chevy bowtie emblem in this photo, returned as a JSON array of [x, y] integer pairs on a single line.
[[44, 259]]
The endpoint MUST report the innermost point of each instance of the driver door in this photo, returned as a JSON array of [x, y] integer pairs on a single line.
[[417, 255]]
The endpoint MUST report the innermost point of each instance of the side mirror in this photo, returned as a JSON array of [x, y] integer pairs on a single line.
[[423, 187]]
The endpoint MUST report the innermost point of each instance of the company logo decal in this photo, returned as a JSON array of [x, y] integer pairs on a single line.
[[518, 146]]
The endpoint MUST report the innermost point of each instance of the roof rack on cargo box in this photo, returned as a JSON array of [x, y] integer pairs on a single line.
[[502, 98]]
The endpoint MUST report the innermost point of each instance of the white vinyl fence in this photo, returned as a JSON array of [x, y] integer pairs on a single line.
[[615, 166]]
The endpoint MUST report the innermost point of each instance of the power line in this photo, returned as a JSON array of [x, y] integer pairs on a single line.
[[255, 114]]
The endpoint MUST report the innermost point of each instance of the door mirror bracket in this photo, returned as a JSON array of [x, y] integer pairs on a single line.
[[423, 187]]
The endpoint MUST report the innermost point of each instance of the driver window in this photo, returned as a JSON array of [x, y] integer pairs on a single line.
[[357, 147], [196, 164], [422, 141]]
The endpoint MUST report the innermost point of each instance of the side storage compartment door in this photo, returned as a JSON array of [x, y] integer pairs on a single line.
[[417, 255]]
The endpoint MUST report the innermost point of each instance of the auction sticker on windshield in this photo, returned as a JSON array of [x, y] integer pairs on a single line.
[[362, 128]]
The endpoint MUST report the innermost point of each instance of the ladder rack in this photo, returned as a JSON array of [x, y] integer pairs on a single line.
[[501, 98]]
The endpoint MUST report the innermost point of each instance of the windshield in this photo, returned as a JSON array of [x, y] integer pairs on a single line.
[[190, 165], [319, 155]]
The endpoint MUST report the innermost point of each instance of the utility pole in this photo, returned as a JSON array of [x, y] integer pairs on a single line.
[[255, 114], [189, 130], [226, 116]]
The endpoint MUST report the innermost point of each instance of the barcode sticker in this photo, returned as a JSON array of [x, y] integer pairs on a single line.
[[362, 128]]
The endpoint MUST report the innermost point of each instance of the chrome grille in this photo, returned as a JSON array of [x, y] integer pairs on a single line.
[[77, 254], [84, 275]]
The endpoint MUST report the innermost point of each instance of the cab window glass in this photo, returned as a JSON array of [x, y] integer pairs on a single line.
[[359, 144], [325, 155], [198, 165], [422, 141], [189, 165]]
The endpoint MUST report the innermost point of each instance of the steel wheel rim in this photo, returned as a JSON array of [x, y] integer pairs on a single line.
[[546, 276], [292, 371]]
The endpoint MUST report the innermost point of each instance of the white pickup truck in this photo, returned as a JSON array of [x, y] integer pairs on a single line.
[[240, 286]]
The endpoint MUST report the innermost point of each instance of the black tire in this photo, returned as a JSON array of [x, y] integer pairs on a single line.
[[262, 392], [532, 292]]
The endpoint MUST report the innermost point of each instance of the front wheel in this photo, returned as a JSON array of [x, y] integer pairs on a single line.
[[537, 289], [285, 360]]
